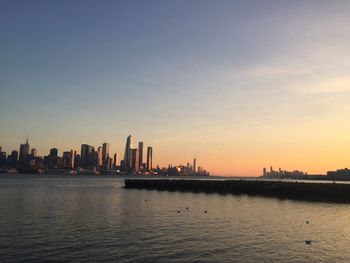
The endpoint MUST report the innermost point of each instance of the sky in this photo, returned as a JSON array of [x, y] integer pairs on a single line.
[[240, 85]]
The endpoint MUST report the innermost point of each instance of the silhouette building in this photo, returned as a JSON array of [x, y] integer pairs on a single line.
[[149, 158], [53, 152], [140, 161], [105, 152], [127, 154], [24, 151], [194, 166], [86, 155]]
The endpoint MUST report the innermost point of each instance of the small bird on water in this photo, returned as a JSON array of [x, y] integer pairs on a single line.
[[308, 242]]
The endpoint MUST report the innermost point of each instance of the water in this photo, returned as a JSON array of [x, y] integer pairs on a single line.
[[93, 219]]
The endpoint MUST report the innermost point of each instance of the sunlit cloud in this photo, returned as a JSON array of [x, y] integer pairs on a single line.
[[318, 70]]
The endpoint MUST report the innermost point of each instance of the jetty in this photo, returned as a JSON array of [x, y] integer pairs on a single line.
[[313, 191]]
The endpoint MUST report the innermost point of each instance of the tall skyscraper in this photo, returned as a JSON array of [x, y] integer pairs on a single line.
[[127, 153], [149, 158], [68, 160], [116, 160], [105, 151], [194, 165], [85, 155], [135, 166], [94, 159], [100, 153], [72, 159], [24, 150], [140, 154]]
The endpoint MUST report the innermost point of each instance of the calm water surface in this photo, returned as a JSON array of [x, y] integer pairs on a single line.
[[92, 219]]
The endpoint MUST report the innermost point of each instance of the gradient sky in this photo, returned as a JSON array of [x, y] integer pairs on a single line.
[[238, 84]]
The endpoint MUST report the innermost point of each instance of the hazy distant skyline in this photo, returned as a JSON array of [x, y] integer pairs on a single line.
[[238, 84]]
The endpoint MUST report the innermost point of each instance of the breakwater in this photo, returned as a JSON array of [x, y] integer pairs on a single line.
[[324, 192]]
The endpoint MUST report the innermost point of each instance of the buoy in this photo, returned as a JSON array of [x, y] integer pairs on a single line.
[[205, 211], [307, 222]]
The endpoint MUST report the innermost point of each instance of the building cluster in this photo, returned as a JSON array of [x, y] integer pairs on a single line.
[[341, 174], [91, 160], [183, 170], [133, 158], [280, 174]]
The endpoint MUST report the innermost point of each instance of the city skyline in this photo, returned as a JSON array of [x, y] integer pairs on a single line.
[[237, 84], [92, 160]]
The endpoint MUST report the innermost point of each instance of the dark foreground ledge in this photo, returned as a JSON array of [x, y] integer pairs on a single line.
[[324, 192]]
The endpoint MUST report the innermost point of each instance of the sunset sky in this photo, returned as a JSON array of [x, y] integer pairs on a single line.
[[238, 84]]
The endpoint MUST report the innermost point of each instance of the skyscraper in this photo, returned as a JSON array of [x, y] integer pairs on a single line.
[[85, 155], [105, 151], [100, 153], [127, 153], [140, 154], [135, 166], [68, 160], [194, 165], [149, 158], [116, 160], [24, 150]]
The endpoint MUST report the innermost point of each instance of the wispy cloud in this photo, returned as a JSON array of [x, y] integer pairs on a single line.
[[319, 70]]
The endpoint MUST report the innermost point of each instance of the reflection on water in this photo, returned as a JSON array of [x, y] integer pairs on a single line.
[[94, 219]]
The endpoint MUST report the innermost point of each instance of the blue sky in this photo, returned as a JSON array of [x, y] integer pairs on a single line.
[[215, 79]]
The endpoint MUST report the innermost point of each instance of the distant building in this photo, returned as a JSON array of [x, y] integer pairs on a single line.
[[109, 163], [127, 153], [53, 152], [135, 166], [14, 158], [77, 160], [105, 152], [116, 160], [194, 166], [24, 151], [2, 158], [140, 161], [280, 174], [34, 152], [149, 158], [99, 156], [68, 160], [86, 155], [341, 174]]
